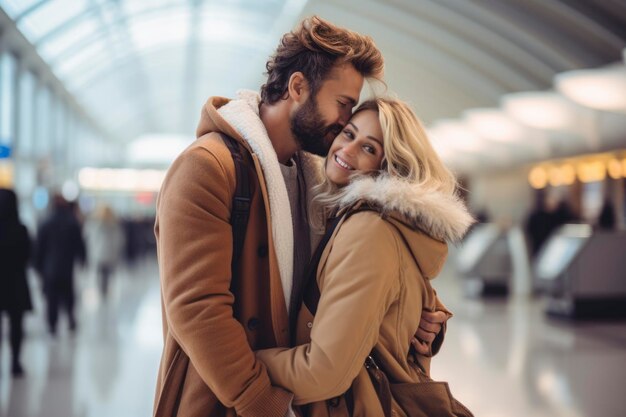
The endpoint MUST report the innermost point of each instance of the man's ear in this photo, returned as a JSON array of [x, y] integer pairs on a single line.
[[298, 87]]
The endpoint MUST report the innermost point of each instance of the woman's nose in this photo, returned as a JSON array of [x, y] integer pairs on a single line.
[[350, 148]]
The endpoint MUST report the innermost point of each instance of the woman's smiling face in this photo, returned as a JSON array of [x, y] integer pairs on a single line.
[[358, 148]]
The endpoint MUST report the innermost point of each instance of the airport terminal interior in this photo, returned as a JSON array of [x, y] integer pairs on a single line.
[[524, 100]]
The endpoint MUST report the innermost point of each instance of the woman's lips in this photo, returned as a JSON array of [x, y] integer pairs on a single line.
[[343, 164]]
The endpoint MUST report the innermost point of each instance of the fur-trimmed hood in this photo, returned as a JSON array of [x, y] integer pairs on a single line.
[[427, 219], [441, 216]]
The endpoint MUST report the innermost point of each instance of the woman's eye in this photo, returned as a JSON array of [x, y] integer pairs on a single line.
[[370, 149], [348, 134], [342, 104]]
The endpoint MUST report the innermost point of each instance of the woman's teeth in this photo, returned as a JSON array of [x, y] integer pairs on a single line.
[[343, 163]]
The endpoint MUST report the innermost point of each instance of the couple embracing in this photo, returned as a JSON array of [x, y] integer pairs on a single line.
[[293, 285]]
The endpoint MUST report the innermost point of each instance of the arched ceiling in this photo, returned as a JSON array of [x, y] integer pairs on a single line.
[[147, 66], [462, 53]]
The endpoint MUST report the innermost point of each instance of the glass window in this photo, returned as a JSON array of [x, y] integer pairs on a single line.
[[69, 38], [81, 145], [592, 199], [70, 151], [14, 8], [43, 119], [138, 6], [49, 17], [7, 94], [26, 114], [89, 149], [147, 32], [117, 57], [81, 62], [61, 129]]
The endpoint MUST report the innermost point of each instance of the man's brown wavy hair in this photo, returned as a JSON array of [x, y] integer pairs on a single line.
[[314, 48]]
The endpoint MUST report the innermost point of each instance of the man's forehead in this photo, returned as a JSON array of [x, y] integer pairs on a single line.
[[342, 71], [345, 81]]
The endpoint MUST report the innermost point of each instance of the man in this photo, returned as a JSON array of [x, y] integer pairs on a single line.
[[59, 245], [212, 324]]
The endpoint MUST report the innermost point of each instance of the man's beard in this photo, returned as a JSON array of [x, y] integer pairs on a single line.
[[309, 130]]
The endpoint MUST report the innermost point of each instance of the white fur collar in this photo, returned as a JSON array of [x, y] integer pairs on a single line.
[[243, 115], [441, 216]]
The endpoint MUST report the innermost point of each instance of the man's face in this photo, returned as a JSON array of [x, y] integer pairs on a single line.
[[317, 122]]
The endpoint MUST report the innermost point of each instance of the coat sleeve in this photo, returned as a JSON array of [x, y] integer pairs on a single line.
[[194, 240], [358, 285]]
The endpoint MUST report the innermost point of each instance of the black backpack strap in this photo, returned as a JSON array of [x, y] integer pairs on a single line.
[[311, 296], [241, 201]]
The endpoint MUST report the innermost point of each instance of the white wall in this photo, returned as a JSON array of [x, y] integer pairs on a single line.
[[506, 196]]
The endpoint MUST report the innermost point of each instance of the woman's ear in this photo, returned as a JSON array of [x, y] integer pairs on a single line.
[[298, 87]]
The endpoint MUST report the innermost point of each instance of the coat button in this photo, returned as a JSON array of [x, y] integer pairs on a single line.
[[309, 325], [254, 323], [262, 251]]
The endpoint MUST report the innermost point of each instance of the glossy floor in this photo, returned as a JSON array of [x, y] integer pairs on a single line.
[[501, 357]]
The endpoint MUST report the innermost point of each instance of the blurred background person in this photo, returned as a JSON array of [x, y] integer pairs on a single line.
[[105, 243], [564, 214], [539, 224], [15, 298], [606, 219], [59, 245]]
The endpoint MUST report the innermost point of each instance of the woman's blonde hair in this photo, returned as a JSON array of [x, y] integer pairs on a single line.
[[408, 155]]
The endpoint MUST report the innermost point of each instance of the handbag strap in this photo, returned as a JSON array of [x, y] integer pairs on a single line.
[[380, 383]]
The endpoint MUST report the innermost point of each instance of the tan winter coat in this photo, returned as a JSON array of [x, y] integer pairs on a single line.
[[374, 275], [210, 325]]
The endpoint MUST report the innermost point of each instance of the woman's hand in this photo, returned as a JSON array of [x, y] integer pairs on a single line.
[[430, 325]]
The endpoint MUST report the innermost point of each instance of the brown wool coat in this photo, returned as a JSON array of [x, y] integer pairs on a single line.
[[374, 274], [210, 325]]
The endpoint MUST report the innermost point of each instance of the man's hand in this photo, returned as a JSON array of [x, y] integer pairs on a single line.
[[430, 326]]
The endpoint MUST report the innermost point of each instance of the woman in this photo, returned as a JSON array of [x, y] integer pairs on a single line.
[[14, 293], [105, 239], [375, 270]]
